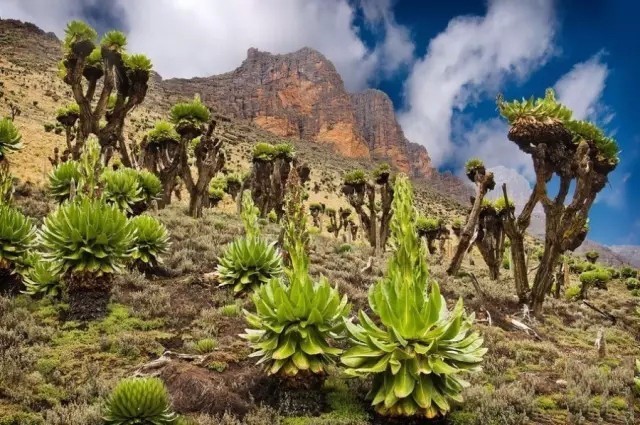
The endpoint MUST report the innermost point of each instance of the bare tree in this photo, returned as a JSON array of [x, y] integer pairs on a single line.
[[576, 153], [477, 173]]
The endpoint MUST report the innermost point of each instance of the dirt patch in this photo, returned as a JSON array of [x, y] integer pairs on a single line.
[[383, 420], [195, 389], [10, 284]]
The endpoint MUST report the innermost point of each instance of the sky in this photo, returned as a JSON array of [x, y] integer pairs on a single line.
[[442, 63]]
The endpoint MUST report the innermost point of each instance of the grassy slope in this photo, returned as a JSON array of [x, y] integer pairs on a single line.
[[58, 372]]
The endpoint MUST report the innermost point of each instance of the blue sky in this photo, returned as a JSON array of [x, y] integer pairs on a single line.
[[442, 63]]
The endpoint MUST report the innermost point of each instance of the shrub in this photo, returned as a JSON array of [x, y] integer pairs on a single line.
[[592, 256], [194, 111], [9, 138], [162, 130], [426, 225], [506, 262], [632, 283], [139, 401], [122, 188], [61, 178], [597, 277], [205, 346], [344, 248], [152, 239], [137, 62], [263, 151], [355, 177], [88, 236], [420, 347], [41, 277], [295, 319], [77, 31], [114, 40], [17, 236], [628, 272], [473, 166], [248, 262], [150, 185]]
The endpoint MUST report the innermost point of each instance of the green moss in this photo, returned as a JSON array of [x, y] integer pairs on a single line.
[[618, 403], [217, 366], [546, 403], [345, 408], [463, 418], [230, 310], [21, 418]]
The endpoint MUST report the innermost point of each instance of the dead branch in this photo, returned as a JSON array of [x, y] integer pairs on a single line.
[[608, 315]]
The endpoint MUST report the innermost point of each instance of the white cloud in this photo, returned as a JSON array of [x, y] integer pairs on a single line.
[[581, 89], [488, 141], [200, 37], [471, 58]]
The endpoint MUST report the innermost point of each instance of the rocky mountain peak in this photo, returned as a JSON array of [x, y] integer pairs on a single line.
[[302, 95]]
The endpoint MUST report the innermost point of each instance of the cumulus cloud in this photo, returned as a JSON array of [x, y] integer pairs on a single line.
[[200, 37], [473, 56], [581, 89]]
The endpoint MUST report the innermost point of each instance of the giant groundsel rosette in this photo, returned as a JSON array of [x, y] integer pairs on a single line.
[[419, 348]]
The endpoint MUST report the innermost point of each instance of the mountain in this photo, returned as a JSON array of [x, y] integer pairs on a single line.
[[301, 95], [630, 253]]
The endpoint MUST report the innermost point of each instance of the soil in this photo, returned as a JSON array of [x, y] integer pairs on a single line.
[[377, 419], [88, 305], [10, 283]]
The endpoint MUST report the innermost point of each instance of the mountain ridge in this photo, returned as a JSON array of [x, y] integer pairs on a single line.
[[301, 94]]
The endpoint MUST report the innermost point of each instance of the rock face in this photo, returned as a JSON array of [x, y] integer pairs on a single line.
[[377, 123], [294, 95], [301, 95]]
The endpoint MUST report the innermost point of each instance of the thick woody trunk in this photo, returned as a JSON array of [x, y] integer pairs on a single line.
[[519, 266], [483, 183]]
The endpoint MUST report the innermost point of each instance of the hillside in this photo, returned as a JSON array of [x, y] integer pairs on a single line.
[[177, 323]]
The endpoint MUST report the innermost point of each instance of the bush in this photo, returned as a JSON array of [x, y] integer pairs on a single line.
[[88, 236], [592, 256], [248, 262], [194, 111], [161, 131], [152, 239], [426, 225], [9, 138], [122, 188], [595, 277], [17, 236], [295, 318], [137, 62], [632, 283], [628, 272], [139, 401], [355, 177], [419, 347], [150, 185], [41, 277], [60, 179]]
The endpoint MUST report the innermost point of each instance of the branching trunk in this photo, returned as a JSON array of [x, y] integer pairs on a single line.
[[362, 197], [484, 182], [209, 160]]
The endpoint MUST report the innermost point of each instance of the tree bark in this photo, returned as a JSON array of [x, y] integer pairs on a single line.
[[483, 183]]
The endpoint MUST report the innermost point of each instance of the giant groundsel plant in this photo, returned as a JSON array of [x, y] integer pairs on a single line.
[[415, 348], [296, 318]]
